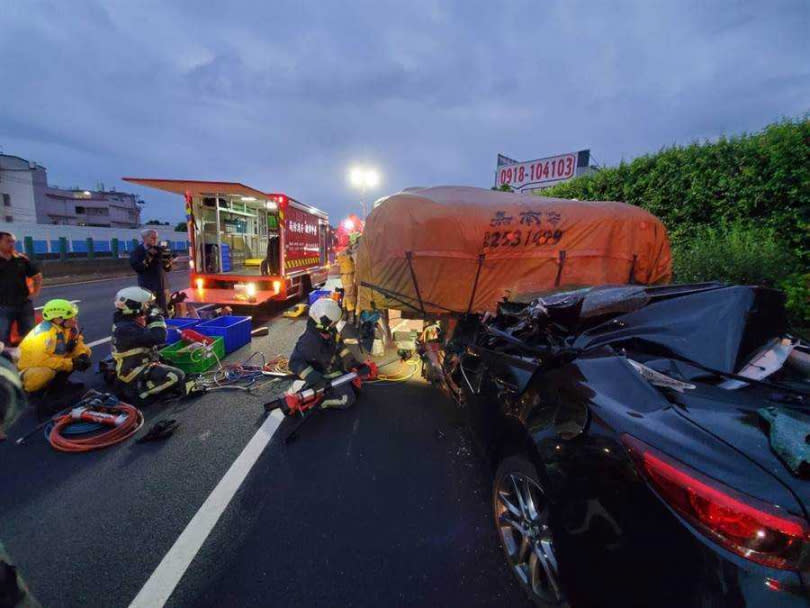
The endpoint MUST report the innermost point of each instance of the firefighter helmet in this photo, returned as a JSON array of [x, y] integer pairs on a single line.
[[133, 300], [55, 309], [325, 312]]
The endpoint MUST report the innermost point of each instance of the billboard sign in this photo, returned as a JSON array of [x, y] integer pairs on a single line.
[[505, 160], [539, 173]]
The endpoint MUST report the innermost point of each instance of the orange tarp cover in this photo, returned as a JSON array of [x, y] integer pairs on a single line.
[[515, 243], [196, 188]]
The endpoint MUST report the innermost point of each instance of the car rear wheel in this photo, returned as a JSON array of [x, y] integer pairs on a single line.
[[521, 510]]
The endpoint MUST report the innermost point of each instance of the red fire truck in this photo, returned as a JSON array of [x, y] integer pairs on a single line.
[[249, 247]]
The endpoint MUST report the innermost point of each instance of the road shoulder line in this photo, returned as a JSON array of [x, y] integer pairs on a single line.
[[157, 590], [100, 341]]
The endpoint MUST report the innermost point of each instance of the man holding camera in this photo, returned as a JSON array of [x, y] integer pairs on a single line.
[[152, 261]]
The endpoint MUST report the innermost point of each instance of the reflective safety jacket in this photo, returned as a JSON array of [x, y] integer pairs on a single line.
[[134, 345], [51, 346], [324, 354], [345, 262]]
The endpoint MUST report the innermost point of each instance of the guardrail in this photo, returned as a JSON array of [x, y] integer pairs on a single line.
[[64, 248]]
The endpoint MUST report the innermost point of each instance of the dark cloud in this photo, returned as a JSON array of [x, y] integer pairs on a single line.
[[285, 95]]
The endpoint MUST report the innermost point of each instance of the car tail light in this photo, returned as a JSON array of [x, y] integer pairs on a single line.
[[744, 525]]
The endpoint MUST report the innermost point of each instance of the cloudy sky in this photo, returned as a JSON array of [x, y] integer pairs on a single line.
[[286, 95]]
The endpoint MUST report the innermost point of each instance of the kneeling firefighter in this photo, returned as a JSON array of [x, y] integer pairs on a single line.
[[138, 330], [320, 355], [49, 354]]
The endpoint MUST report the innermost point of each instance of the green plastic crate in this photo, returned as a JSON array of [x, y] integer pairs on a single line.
[[193, 362]]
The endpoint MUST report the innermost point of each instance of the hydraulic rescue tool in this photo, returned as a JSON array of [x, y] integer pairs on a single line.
[[81, 428], [305, 400], [305, 403]]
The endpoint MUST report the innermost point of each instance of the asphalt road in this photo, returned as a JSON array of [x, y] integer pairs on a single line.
[[382, 504]]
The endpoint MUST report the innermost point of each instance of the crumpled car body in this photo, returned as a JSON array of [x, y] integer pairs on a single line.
[[666, 486]]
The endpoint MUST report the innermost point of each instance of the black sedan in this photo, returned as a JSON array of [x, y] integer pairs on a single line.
[[650, 445]]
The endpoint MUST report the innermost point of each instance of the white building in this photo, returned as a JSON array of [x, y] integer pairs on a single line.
[[22, 184], [26, 198]]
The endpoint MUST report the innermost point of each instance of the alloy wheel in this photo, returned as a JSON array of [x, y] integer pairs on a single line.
[[521, 515]]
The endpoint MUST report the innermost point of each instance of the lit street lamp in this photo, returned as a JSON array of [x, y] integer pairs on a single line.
[[364, 178]]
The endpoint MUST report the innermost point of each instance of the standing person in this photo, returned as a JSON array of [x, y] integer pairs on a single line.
[[49, 354], [346, 263], [152, 262], [15, 297]]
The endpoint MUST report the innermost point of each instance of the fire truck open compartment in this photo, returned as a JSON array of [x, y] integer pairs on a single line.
[[248, 247], [237, 235]]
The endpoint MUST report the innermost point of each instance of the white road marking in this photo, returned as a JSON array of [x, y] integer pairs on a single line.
[[100, 341], [118, 277], [62, 285], [157, 590]]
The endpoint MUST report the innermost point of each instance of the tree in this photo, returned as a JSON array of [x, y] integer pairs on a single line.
[[180, 227], [156, 223]]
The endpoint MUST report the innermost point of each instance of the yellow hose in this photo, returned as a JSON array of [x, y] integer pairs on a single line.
[[414, 365]]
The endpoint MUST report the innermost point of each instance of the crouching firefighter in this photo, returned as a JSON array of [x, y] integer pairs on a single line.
[[320, 355], [138, 330], [49, 354]]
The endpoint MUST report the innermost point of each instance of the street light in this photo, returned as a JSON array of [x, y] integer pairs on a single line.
[[364, 178]]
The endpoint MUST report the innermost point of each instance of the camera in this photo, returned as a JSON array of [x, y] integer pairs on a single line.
[[164, 252]]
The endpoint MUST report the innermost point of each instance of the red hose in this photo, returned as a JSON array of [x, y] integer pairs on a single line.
[[116, 434]]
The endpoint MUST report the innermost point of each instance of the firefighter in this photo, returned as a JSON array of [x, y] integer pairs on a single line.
[[13, 591], [320, 355], [49, 354], [346, 263], [138, 330]]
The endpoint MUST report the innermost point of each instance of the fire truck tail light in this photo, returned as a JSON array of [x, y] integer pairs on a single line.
[[200, 284], [277, 286]]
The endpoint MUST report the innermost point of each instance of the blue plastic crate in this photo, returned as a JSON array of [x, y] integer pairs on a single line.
[[233, 329], [176, 325], [227, 265], [317, 295]]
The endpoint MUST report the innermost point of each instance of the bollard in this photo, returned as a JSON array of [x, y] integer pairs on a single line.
[[91, 252], [28, 245], [114, 248], [63, 248]]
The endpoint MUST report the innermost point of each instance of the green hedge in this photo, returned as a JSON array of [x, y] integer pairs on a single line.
[[736, 210], [746, 254], [761, 178]]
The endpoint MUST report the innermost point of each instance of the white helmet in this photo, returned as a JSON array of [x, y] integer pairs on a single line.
[[325, 312], [133, 300]]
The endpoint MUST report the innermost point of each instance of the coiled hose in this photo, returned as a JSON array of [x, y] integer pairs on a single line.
[[64, 434], [411, 368]]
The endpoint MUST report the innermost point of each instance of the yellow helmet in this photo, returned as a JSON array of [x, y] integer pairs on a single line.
[[55, 309]]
